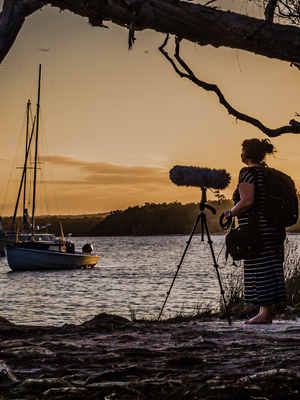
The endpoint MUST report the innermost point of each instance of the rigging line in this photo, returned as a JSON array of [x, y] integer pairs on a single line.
[[31, 169], [29, 186], [46, 197], [16, 156], [29, 181], [50, 168], [41, 193], [21, 183], [42, 180]]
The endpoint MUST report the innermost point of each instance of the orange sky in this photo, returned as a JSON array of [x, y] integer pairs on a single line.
[[116, 121]]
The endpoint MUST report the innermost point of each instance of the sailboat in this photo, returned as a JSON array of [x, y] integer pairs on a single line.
[[24, 234], [37, 253]]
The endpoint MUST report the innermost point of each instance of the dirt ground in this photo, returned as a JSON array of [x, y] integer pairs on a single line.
[[110, 357]]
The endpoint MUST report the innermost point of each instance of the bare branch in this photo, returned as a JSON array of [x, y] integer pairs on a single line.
[[293, 127], [270, 10], [209, 2]]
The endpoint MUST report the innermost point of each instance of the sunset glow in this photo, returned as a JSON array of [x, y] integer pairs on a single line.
[[116, 121]]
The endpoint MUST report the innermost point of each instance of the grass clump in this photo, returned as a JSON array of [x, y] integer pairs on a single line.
[[292, 278], [201, 311]]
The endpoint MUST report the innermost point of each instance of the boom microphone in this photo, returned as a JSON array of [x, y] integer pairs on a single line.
[[200, 177]]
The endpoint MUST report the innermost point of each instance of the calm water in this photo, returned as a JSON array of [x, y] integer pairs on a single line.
[[133, 275]]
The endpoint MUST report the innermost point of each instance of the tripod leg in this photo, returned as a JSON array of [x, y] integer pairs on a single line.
[[203, 217], [179, 265]]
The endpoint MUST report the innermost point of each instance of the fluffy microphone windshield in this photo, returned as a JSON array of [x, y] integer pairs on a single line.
[[199, 177]]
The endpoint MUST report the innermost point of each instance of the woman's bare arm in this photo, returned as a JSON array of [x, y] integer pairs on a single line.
[[247, 200]]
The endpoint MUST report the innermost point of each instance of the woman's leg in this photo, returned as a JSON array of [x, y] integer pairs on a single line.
[[263, 317]]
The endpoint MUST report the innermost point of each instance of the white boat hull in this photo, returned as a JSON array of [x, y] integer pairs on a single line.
[[20, 259]]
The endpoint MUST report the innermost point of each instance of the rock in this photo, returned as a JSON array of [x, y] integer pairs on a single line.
[[44, 383], [112, 384], [5, 321], [6, 344], [65, 391], [6, 373], [106, 322], [27, 351]]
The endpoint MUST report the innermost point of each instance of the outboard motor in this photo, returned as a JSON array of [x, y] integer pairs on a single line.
[[88, 248]]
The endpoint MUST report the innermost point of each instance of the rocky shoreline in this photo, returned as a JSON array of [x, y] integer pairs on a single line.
[[110, 357]]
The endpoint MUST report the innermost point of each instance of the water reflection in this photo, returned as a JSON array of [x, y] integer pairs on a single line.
[[133, 273]]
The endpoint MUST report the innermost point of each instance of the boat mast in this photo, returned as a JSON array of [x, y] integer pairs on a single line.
[[26, 150], [36, 150], [21, 183]]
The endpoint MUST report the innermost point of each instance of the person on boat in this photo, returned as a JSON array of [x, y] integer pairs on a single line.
[[263, 276], [2, 231], [26, 223]]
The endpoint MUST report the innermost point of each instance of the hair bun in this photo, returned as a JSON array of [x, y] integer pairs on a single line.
[[267, 146]]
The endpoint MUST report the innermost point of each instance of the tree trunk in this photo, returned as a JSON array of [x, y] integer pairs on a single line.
[[193, 22]]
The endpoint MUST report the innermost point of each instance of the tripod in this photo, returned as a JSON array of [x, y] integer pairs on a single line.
[[203, 204]]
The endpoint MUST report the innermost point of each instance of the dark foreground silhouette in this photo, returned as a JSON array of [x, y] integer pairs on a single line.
[[111, 357]]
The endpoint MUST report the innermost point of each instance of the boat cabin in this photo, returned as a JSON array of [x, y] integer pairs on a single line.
[[58, 246]]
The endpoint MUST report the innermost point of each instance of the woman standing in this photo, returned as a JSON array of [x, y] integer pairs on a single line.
[[263, 276]]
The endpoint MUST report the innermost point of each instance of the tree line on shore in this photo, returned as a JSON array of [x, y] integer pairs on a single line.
[[159, 219], [149, 219], [164, 219], [76, 225]]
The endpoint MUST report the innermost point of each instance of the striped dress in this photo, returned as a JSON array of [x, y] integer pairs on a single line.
[[263, 276]]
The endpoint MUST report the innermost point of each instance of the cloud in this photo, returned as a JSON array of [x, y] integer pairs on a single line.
[[102, 186], [81, 186], [104, 173]]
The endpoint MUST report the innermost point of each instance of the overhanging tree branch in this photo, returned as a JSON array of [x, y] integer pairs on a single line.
[[12, 18], [193, 22], [293, 127], [200, 24]]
